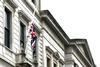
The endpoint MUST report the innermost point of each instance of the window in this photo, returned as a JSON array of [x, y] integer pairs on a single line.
[[33, 1], [8, 15], [75, 65], [48, 62], [55, 65], [22, 34]]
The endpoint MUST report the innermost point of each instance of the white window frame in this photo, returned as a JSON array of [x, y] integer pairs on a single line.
[[21, 20], [6, 5]]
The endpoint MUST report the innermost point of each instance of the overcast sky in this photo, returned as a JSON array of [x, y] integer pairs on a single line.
[[79, 19]]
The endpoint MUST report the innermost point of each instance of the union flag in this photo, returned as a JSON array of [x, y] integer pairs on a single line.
[[33, 35]]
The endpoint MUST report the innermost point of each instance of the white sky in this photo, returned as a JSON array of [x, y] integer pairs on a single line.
[[79, 19]]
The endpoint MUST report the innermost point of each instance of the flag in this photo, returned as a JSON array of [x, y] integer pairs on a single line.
[[33, 35]]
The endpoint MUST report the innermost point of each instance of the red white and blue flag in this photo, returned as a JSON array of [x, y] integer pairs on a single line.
[[33, 35]]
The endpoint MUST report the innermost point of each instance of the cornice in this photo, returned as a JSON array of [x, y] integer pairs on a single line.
[[85, 46], [23, 15], [54, 26], [80, 54], [53, 38], [12, 3], [61, 61], [27, 19], [31, 6]]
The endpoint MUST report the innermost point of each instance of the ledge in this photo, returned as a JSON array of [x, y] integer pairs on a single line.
[[32, 6], [12, 3], [24, 16], [23, 65], [54, 26]]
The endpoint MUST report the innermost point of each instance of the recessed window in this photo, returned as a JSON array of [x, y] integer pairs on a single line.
[[8, 16], [75, 65], [48, 62], [33, 1], [22, 34], [55, 65]]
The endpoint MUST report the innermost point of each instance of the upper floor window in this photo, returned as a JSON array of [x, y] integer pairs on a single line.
[[33, 1], [76, 65], [22, 34], [55, 65], [48, 62], [8, 17]]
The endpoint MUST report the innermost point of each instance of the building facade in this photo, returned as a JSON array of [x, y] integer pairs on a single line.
[[53, 47], [15, 47]]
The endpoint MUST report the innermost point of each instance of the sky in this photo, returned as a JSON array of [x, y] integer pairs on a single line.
[[79, 19]]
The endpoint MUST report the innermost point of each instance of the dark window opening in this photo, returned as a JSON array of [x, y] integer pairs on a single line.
[[22, 34], [75, 65], [7, 27], [48, 62], [55, 65], [33, 1]]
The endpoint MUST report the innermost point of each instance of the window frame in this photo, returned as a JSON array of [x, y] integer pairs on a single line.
[[10, 9], [55, 61], [21, 20], [49, 55], [22, 33], [49, 61], [54, 64], [75, 65], [33, 1]]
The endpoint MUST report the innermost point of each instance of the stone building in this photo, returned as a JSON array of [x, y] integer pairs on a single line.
[[15, 47], [53, 47], [77, 54], [54, 40], [69, 52]]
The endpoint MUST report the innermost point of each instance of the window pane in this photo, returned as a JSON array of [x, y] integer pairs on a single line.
[[22, 34], [7, 38], [7, 27], [48, 62], [33, 1], [7, 18]]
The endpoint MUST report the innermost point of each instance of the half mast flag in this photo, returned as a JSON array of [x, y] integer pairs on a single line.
[[33, 35]]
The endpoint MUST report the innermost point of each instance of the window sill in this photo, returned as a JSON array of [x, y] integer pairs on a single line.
[[9, 49]]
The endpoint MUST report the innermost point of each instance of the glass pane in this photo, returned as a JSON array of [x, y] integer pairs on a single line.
[[7, 27], [7, 18], [22, 34], [48, 62], [7, 38]]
